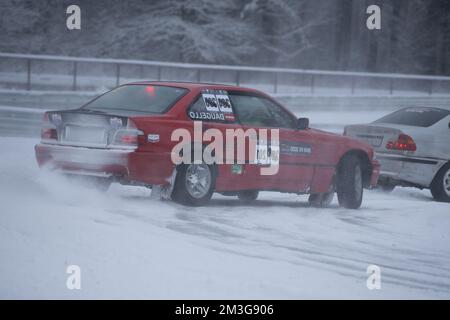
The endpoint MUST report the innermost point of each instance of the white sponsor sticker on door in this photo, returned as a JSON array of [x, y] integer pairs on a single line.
[[267, 155]]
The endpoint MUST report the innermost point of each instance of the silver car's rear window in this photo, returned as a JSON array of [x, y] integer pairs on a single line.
[[136, 97], [417, 117]]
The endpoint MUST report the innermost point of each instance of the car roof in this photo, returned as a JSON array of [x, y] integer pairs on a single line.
[[196, 85]]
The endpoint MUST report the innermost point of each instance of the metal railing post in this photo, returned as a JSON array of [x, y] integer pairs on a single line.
[[313, 83], [275, 83], [159, 73], [238, 78], [353, 85], [75, 71], [141, 71], [28, 74], [391, 86], [117, 75]]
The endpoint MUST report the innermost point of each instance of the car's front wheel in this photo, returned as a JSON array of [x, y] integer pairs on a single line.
[[194, 184], [349, 186], [440, 187]]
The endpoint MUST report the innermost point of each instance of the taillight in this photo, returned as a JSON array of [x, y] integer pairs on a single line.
[[403, 143], [127, 137], [49, 132]]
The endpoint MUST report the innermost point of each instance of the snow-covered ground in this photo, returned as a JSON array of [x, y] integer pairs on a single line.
[[131, 246]]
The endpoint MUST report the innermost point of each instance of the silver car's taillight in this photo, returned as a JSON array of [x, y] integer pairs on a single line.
[[49, 132]]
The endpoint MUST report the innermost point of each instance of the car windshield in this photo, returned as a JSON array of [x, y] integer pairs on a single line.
[[417, 117], [140, 98]]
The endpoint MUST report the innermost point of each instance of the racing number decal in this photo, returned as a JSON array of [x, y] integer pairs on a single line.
[[217, 106], [211, 103], [267, 154], [225, 107], [224, 103]]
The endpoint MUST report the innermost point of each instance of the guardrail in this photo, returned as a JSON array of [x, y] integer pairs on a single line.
[[275, 80]]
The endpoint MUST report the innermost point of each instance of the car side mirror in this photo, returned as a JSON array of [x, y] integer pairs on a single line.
[[303, 124]]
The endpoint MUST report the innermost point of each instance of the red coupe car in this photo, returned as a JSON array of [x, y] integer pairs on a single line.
[[127, 135]]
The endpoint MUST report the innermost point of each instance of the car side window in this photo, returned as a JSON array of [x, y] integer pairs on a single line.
[[261, 112]]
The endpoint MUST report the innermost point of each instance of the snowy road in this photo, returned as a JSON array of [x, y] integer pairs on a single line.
[[130, 246]]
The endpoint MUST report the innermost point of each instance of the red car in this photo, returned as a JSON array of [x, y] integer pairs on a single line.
[[126, 135]]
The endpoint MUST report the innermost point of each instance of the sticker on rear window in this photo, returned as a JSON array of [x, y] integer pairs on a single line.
[[214, 106], [206, 115], [224, 103], [210, 102]]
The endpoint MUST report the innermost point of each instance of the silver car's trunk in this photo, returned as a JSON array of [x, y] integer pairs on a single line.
[[375, 135]]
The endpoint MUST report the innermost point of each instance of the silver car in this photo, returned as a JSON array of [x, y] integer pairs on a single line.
[[413, 148]]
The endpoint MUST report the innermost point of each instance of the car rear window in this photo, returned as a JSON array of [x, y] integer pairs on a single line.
[[140, 98], [417, 117]]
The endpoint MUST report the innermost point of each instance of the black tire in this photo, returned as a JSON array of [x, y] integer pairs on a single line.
[[248, 195], [349, 186], [321, 200], [184, 191], [440, 187]]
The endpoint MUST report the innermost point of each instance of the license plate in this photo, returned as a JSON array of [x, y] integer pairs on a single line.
[[85, 134], [374, 141]]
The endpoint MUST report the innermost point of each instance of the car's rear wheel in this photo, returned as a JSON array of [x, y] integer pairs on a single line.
[[248, 195], [194, 184], [349, 186], [440, 187]]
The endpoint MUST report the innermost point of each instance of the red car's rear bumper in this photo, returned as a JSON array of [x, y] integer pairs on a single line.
[[129, 165], [80, 160]]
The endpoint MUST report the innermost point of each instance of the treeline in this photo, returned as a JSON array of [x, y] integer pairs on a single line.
[[317, 34]]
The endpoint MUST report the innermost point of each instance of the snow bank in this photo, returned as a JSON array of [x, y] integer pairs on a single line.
[[129, 246]]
